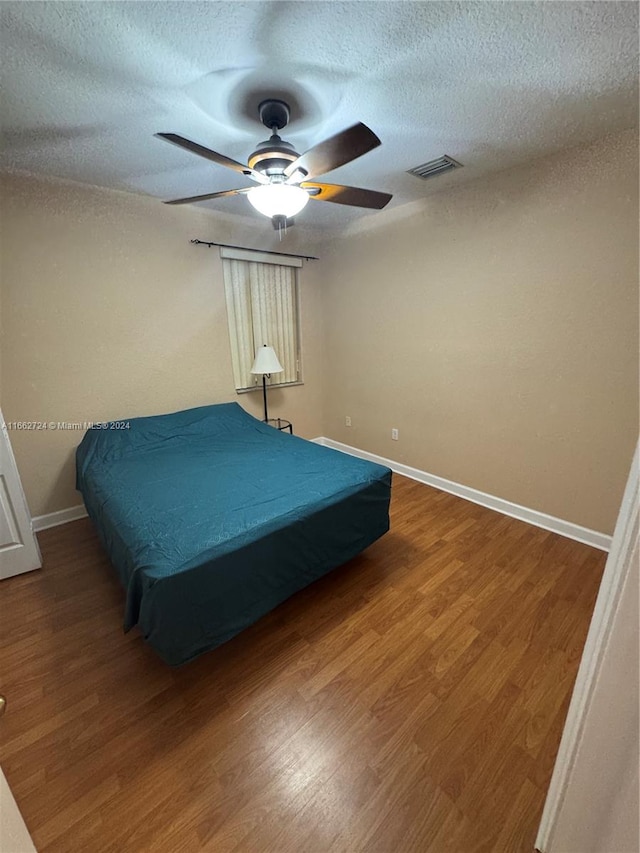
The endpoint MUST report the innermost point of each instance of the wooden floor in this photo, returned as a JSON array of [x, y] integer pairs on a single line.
[[411, 701]]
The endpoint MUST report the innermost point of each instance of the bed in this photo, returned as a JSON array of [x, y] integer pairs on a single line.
[[211, 518]]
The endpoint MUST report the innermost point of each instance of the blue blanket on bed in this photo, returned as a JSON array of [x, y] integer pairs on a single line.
[[212, 517]]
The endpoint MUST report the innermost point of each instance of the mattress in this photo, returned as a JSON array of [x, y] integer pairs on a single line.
[[211, 518]]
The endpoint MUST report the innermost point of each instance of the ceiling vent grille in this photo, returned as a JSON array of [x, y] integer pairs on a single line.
[[434, 167]]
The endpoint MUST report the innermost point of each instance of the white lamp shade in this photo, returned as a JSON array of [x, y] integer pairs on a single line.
[[278, 199], [266, 361]]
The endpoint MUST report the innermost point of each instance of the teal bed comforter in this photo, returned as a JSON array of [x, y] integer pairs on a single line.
[[212, 518]]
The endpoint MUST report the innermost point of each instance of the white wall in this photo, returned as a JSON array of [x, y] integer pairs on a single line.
[[14, 836]]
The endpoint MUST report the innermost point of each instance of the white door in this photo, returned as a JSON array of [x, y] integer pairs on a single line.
[[19, 550]]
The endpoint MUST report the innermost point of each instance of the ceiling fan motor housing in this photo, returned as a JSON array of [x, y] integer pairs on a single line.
[[272, 156]]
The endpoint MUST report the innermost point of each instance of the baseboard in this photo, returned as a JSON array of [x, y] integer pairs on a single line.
[[522, 513], [53, 519]]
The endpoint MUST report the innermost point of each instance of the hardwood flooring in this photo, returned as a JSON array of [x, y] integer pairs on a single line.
[[412, 700]]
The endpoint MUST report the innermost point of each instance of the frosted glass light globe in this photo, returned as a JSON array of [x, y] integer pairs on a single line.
[[278, 199]]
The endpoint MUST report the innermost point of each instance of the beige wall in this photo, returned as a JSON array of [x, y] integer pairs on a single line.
[[497, 329], [109, 312]]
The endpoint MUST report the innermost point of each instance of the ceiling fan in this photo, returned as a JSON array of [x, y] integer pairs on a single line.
[[285, 178]]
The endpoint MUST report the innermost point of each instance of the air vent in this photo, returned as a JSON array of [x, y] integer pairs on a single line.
[[434, 167]]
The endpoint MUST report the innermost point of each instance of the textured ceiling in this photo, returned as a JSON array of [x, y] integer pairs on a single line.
[[87, 84]]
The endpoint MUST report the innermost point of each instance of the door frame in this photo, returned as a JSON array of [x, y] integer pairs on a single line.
[[617, 569]]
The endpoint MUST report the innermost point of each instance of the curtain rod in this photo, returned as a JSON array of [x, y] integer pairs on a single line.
[[248, 249]]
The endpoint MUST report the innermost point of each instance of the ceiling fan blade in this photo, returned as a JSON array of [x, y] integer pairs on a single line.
[[208, 196], [335, 151], [355, 196], [208, 154]]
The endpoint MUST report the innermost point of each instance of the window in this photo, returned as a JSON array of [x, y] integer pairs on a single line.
[[262, 308]]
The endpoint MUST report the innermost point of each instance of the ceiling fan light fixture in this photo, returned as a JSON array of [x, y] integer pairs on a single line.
[[278, 199], [286, 178]]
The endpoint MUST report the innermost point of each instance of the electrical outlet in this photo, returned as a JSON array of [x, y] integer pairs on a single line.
[[347, 420], [394, 434]]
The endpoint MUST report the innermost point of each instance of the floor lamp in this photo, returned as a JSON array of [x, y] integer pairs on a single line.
[[266, 363]]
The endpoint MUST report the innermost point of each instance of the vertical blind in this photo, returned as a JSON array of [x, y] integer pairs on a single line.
[[262, 309]]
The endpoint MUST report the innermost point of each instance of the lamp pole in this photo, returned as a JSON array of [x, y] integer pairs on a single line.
[[264, 394]]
